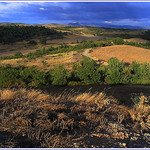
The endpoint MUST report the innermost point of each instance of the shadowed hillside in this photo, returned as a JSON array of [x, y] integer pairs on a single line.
[[10, 34]]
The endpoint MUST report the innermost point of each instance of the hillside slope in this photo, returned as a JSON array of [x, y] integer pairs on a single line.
[[122, 52], [31, 118]]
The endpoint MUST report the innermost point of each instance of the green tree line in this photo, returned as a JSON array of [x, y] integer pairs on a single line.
[[87, 72]]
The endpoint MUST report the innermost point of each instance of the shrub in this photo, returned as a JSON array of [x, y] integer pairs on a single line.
[[140, 73], [32, 42], [32, 77], [44, 62], [90, 51], [118, 41], [14, 76], [59, 75], [9, 76], [114, 71], [126, 75], [87, 71], [43, 41], [18, 55]]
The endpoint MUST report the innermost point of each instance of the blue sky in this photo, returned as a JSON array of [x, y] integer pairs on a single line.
[[114, 13]]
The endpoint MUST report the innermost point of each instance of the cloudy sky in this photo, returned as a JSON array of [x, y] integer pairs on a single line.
[[114, 13]]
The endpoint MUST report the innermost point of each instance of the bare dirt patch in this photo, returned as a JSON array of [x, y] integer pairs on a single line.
[[122, 52]]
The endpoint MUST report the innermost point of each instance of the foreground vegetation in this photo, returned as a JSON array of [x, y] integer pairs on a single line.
[[31, 118], [87, 72]]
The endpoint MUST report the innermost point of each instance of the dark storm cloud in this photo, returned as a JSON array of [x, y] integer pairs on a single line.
[[85, 12]]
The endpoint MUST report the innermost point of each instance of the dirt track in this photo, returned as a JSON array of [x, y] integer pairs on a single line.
[[86, 53]]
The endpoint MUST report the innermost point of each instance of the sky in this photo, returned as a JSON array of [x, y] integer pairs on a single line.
[[90, 13]]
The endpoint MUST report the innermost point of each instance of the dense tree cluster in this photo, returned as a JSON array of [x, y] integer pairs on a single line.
[[10, 34], [146, 35]]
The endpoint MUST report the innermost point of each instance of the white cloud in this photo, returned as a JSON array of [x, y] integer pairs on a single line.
[[42, 8], [107, 21], [60, 4], [56, 4], [37, 3], [11, 6]]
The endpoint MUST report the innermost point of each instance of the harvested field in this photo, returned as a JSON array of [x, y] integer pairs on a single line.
[[122, 52]]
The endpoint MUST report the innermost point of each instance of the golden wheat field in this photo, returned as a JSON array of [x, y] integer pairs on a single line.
[[32, 118], [122, 52]]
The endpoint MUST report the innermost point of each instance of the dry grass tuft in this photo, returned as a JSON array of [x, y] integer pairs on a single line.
[[140, 114], [37, 95], [57, 121], [98, 99], [7, 94]]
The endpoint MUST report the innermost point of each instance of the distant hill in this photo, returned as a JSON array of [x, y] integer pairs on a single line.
[[22, 24], [51, 25], [81, 24], [104, 25], [10, 24], [126, 27], [77, 24]]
